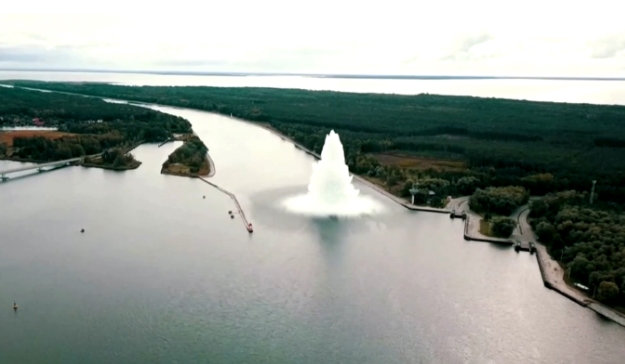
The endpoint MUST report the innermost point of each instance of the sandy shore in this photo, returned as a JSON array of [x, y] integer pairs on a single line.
[[211, 166]]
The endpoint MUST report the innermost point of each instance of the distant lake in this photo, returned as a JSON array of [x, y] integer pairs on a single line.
[[577, 91]]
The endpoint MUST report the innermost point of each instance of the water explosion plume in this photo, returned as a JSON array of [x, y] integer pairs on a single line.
[[330, 191]]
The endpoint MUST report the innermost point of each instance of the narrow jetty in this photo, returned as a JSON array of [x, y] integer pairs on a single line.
[[471, 232], [168, 140], [246, 223]]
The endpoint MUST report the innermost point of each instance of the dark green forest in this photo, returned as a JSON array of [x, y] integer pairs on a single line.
[[542, 146], [498, 200], [590, 242], [42, 149], [99, 125]]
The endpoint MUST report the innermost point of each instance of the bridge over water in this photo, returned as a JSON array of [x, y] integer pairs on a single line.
[[40, 167]]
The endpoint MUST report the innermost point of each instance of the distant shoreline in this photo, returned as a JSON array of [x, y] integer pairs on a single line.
[[320, 75]]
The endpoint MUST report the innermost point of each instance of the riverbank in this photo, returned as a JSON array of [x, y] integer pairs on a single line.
[[553, 275], [551, 272], [553, 278], [361, 179], [211, 166]]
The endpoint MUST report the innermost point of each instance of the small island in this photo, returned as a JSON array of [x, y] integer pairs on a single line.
[[114, 159], [189, 160]]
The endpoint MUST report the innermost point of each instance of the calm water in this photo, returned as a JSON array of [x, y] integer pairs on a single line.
[[596, 92], [162, 275]]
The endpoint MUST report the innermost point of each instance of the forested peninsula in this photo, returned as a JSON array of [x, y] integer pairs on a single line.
[[190, 159], [498, 150]]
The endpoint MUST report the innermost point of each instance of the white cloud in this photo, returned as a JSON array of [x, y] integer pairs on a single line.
[[529, 37]]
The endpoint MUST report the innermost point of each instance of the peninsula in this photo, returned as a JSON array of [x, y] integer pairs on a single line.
[[190, 159]]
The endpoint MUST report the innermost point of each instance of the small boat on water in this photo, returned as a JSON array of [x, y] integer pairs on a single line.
[[249, 228], [14, 305], [82, 230]]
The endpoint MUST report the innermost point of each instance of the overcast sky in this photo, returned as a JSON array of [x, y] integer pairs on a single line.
[[477, 37]]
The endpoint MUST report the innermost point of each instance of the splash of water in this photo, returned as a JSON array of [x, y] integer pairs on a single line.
[[330, 191]]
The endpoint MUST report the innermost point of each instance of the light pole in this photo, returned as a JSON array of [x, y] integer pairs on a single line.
[[414, 190], [592, 192]]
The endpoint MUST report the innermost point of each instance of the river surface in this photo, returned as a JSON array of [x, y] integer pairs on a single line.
[[163, 275], [577, 91]]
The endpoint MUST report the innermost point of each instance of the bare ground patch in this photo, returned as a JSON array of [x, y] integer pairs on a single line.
[[419, 163], [8, 136]]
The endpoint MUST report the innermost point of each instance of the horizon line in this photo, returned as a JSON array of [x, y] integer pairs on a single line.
[[315, 75]]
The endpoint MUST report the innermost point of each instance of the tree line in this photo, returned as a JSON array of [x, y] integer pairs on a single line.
[[542, 146], [43, 149], [115, 158], [94, 125]]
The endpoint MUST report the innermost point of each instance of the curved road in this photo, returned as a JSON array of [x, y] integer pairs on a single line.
[[459, 204]]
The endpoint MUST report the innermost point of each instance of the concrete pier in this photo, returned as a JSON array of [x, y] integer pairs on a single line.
[[246, 223]]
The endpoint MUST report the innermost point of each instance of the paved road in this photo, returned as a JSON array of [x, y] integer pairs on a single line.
[[459, 204], [523, 230], [50, 164]]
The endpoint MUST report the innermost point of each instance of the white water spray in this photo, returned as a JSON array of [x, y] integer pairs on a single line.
[[330, 191]]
